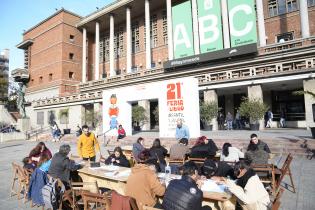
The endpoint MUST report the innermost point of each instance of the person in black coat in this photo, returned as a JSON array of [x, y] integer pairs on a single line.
[[203, 148], [184, 194], [118, 158], [158, 152], [212, 169]]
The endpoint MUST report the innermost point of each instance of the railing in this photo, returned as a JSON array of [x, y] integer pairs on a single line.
[[35, 132]]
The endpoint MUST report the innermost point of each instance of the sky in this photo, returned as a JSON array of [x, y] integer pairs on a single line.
[[19, 15]]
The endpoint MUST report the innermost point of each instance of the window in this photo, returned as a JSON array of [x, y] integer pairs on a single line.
[[285, 37], [106, 47], [153, 65], [50, 77], [291, 5], [164, 27], [273, 8], [282, 7], [102, 50], [311, 2], [71, 56], [40, 118], [153, 31], [71, 75], [71, 38], [40, 79], [135, 38]]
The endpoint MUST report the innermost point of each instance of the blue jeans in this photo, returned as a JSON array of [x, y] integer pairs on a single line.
[[229, 125]]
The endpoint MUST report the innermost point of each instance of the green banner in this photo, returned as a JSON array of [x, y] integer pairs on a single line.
[[242, 21], [182, 30], [210, 25]]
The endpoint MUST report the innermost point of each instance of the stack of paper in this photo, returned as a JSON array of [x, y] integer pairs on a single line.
[[210, 186]]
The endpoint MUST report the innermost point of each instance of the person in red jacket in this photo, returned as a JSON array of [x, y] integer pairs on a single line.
[[121, 132]]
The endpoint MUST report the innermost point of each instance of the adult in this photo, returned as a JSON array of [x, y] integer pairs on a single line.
[[238, 120], [182, 130], [39, 150], [254, 155], [158, 152], [282, 119], [143, 183], [270, 117], [203, 148], [121, 132], [179, 150], [88, 144], [229, 121], [55, 131], [61, 165], [118, 158], [214, 169], [184, 193], [78, 131], [248, 188], [221, 121], [137, 148], [230, 154], [260, 144]]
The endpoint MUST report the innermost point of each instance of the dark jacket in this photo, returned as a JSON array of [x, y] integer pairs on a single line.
[[158, 153], [122, 161], [61, 166], [223, 169], [38, 181], [262, 146], [204, 150], [182, 194]]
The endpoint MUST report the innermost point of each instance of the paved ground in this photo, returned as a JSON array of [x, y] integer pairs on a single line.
[[303, 169]]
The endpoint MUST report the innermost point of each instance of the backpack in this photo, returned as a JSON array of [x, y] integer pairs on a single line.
[[52, 194]]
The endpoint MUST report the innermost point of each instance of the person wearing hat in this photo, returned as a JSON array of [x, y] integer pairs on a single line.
[[212, 169]]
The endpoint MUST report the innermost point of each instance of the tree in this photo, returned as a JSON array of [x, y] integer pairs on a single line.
[[302, 92], [255, 109], [138, 115], [208, 111]]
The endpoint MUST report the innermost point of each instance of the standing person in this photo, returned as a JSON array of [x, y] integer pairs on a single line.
[[238, 120], [221, 121], [137, 148], [270, 117], [78, 131], [121, 132], [88, 145], [39, 150], [282, 118], [55, 131], [184, 193], [248, 188], [158, 152], [260, 144], [230, 154], [182, 131], [118, 158], [229, 121], [143, 183]]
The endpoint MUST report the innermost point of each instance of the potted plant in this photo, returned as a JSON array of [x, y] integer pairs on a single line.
[[254, 109], [138, 117], [64, 119], [312, 94], [156, 115], [208, 112]]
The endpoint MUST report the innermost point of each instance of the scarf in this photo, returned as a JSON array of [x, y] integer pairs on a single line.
[[244, 179]]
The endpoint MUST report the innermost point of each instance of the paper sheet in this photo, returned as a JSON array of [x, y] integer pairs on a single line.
[[210, 186]]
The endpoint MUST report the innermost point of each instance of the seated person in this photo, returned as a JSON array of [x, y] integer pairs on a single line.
[[179, 150], [143, 183], [255, 155], [61, 165], [137, 148], [44, 163], [230, 154], [212, 169], [38, 151], [260, 144], [117, 159], [184, 193], [28, 164], [248, 188], [121, 132], [158, 152], [204, 148]]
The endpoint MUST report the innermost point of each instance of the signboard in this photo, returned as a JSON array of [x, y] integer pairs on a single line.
[[242, 22], [177, 99], [182, 30], [210, 25]]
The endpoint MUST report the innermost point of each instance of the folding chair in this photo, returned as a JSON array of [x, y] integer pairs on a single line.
[[78, 187], [133, 204], [267, 170], [197, 160], [24, 181], [285, 170], [276, 203], [14, 179], [100, 201]]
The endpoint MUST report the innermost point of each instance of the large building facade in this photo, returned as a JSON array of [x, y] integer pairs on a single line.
[[4, 75], [115, 53]]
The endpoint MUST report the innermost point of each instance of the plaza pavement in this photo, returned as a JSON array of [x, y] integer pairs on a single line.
[[303, 170]]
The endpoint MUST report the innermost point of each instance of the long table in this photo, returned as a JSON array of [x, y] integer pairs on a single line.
[[115, 178]]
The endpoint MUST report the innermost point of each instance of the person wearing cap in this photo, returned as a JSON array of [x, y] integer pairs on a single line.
[[184, 193], [143, 183], [213, 169]]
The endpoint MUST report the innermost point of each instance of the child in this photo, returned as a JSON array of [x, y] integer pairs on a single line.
[[27, 163], [44, 162]]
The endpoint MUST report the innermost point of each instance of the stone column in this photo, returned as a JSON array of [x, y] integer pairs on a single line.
[[195, 26], [211, 96], [128, 36], [225, 24], [169, 29], [261, 23], [255, 92], [147, 35], [111, 46], [305, 25], [146, 105], [98, 109], [84, 56], [97, 51], [309, 85]]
